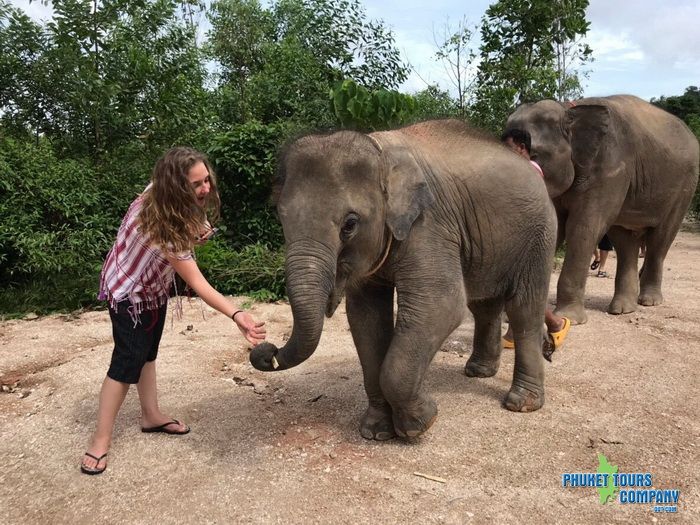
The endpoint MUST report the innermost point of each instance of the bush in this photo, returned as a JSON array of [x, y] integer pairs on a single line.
[[58, 219], [256, 270], [53, 224], [245, 163], [55, 227], [358, 108], [62, 292]]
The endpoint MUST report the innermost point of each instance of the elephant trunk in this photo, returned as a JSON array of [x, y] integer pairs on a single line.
[[310, 274]]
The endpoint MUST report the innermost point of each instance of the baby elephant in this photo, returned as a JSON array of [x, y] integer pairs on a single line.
[[444, 216]]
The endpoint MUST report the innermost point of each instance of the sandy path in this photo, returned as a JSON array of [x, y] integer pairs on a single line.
[[284, 448]]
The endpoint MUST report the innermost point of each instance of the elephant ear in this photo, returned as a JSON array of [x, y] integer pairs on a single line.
[[588, 125], [405, 189]]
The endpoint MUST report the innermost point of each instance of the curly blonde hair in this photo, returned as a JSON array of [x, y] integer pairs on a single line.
[[170, 215]]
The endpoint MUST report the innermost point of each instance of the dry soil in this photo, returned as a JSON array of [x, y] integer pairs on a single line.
[[284, 447]]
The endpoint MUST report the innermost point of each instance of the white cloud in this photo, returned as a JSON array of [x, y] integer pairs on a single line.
[[673, 36], [666, 32], [36, 10]]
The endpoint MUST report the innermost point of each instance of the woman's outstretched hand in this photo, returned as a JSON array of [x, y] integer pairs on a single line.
[[252, 330]]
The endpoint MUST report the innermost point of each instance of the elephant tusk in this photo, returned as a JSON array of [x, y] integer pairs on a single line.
[[275, 364]]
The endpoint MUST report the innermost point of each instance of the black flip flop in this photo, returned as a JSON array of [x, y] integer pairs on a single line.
[[93, 471], [164, 428], [595, 264]]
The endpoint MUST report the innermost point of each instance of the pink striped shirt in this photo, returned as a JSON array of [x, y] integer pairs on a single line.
[[135, 269]]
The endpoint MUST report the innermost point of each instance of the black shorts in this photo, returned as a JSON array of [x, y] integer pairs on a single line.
[[605, 243], [134, 346]]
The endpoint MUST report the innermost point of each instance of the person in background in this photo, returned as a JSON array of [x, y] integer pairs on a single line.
[[600, 256], [156, 240], [519, 141]]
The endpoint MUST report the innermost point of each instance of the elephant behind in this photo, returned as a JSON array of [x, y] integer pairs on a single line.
[[619, 165], [446, 218]]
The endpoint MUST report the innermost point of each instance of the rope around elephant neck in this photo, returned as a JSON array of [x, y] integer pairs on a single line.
[[383, 259], [388, 245]]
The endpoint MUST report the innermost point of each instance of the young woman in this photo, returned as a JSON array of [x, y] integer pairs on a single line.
[[155, 240]]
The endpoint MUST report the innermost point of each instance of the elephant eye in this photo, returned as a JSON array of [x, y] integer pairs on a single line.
[[350, 225]]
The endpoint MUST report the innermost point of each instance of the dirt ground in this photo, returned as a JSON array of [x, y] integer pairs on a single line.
[[285, 447]]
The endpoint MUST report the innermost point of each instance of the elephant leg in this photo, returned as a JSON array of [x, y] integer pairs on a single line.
[[561, 225], [370, 312], [486, 355], [659, 241], [527, 390], [582, 236], [422, 325], [626, 278]]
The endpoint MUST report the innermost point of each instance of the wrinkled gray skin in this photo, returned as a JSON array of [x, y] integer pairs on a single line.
[[615, 164], [447, 201]]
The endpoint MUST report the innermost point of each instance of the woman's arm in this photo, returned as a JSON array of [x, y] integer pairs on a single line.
[[189, 271]]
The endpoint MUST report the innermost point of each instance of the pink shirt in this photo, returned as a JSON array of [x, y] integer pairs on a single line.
[[135, 269]]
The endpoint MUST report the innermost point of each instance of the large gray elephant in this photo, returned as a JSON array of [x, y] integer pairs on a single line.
[[446, 218], [618, 165]]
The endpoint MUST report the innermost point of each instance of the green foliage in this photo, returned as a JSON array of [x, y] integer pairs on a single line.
[[687, 108], [356, 107], [255, 270], [433, 102], [456, 52], [23, 80], [54, 229], [51, 217], [693, 122], [101, 75], [245, 163], [530, 50], [239, 41], [339, 34], [60, 292], [279, 63], [292, 86]]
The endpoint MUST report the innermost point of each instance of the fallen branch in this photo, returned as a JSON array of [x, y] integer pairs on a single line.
[[428, 476]]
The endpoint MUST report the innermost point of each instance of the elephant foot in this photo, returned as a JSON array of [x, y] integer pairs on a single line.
[[574, 312], [377, 424], [411, 423], [521, 399], [622, 305], [475, 368], [650, 298]]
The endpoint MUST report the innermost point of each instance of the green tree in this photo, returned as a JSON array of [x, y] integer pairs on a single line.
[[245, 160], [455, 50], [530, 50], [241, 31], [54, 228], [294, 52], [685, 106], [24, 89], [292, 85], [362, 109], [433, 102], [339, 34], [103, 74], [570, 49]]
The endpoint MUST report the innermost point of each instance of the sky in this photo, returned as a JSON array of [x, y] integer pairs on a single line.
[[647, 48]]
